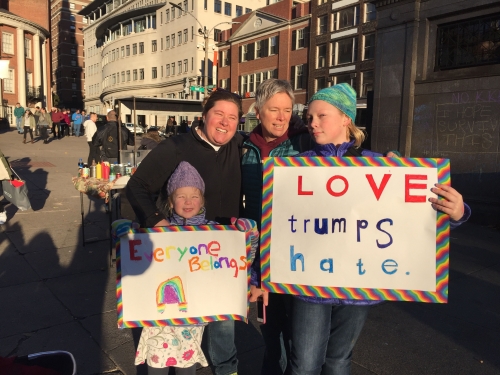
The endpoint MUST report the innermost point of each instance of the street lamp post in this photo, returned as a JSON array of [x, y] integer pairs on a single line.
[[206, 33]]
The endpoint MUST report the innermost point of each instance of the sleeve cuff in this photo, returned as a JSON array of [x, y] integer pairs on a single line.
[[463, 219]]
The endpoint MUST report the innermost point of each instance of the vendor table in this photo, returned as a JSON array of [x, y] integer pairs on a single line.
[[102, 189]]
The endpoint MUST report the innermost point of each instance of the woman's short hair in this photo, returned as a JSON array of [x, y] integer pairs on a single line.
[[224, 95], [271, 87]]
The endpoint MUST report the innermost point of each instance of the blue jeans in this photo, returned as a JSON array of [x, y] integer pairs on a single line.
[[324, 336], [19, 121], [76, 129], [221, 348]]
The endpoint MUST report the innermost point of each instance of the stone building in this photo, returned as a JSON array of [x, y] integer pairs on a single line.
[[151, 48], [343, 50], [24, 34], [67, 52], [437, 89], [271, 42]]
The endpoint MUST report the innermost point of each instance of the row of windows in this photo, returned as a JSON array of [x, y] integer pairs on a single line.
[[8, 45], [172, 12], [93, 90], [365, 82], [131, 26], [250, 82], [138, 74], [345, 18], [344, 51], [259, 49]]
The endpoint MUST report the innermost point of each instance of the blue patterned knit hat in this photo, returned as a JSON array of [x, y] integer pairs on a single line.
[[341, 96], [185, 175]]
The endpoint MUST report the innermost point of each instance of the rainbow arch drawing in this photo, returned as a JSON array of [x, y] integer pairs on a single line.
[[169, 292]]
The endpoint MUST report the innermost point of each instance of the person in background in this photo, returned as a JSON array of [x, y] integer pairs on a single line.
[[107, 138], [76, 119], [18, 114], [90, 129], [85, 117], [37, 114], [28, 124], [44, 122], [5, 174], [65, 123], [57, 117], [150, 140]]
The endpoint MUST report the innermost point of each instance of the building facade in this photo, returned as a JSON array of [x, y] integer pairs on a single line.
[[343, 50], [67, 52], [25, 43], [437, 91], [150, 48], [271, 42]]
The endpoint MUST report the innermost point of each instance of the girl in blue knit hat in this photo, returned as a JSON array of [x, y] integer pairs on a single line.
[[325, 330], [179, 346]]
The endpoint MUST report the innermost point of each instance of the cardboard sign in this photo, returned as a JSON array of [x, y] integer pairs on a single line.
[[182, 275], [354, 228]]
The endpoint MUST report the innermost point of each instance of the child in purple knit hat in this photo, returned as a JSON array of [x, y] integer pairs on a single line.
[[179, 346]]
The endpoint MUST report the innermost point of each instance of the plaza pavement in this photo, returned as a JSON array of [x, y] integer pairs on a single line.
[[57, 294]]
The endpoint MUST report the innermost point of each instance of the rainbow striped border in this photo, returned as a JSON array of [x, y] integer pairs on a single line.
[[184, 321], [442, 232]]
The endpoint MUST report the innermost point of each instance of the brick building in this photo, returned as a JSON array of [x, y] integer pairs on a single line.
[[68, 52], [24, 34], [270, 42], [343, 50]]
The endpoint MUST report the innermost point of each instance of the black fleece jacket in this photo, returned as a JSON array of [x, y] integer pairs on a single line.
[[219, 169]]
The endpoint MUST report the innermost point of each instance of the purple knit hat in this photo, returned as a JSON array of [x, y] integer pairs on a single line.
[[185, 175]]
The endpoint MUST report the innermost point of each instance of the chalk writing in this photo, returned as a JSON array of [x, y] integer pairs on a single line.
[[470, 122]]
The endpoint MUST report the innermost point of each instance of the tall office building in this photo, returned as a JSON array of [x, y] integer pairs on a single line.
[[67, 52]]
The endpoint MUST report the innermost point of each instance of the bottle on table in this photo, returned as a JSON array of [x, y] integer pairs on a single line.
[[98, 171], [93, 169]]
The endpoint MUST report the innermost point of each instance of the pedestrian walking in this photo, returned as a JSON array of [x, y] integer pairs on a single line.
[[76, 119], [44, 123], [29, 124], [90, 129], [18, 114], [57, 117]]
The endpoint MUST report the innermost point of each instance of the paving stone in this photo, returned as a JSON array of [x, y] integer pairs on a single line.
[[29, 307], [57, 236], [8, 345], [404, 338], [70, 260], [87, 293], [124, 356], [14, 270], [104, 330], [71, 337]]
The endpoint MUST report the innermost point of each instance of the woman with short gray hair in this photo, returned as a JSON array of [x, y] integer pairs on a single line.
[[278, 134]]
